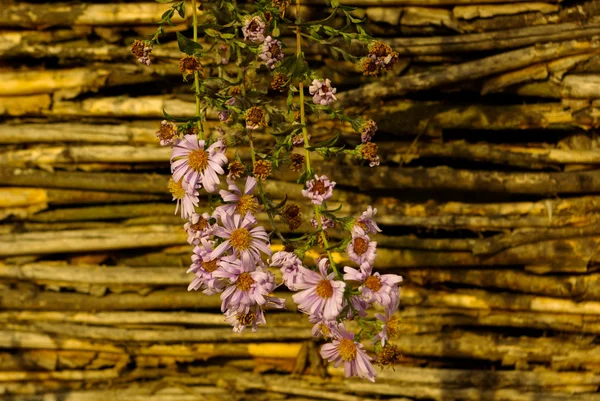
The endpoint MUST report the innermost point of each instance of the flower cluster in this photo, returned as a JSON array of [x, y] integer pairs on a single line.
[[231, 248]]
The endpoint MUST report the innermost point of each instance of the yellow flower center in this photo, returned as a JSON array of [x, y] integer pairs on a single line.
[[347, 349], [241, 239], [244, 282], [210, 266], [198, 160], [176, 188], [360, 246], [247, 203], [324, 289], [373, 283], [393, 326]]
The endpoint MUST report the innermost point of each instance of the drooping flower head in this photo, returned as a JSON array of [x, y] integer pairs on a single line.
[[366, 221], [254, 29], [289, 265], [322, 91], [319, 189], [361, 250], [368, 151], [391, 321], [238, 202], [250, 284], [186, 198], [367, 131], [323, 327], [198, 227], [271, 52], [321, 295], [197, 165], [204, 268], [375, 287], [245, 242], [325, 223], [351, 353]]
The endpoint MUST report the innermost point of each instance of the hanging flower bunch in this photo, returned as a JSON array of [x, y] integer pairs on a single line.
[[232, 252]]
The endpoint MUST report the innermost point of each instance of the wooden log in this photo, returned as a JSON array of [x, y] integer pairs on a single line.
[[580, 287], [467, 71], [29, 15]]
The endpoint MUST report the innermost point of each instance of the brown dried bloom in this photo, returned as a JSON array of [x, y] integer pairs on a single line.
[[282, 5], [291, 215], [193, 130], [320, 238], [255, 118], [141, 50], [262, 169], [380, 49], [296, 162], [367, 131], [369, 66], [368, 151], [235, 90], [190, 64], [236, 170], [167, 133], [280, 82], [389, 355]]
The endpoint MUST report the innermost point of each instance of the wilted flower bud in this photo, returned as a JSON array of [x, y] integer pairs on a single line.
[[296, 162], [271, 52], [142, 50], [262, 169], [254, 29], [279, 82], [167, 133], [236, 170], [368, 151], [255, 118], [190, 64], [322, 91]]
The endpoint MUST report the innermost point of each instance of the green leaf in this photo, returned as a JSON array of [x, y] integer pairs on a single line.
[[187, 45], [326, 143], [169, 117], [276, 32], [279, 205], [319, 22], [180, 9], [213, 33]]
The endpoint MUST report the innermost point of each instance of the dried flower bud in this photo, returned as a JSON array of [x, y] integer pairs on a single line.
[[389, 355], [190, 64], [291, 215], [141, 50], [193, 130], [368, 151], [298, 140], [262, 169], [236, 170], [282, 5], [255, 118], [320, 238], [167, 133], [367, 131], [296, 162], [280, 82], [379, 49], [369, 66]]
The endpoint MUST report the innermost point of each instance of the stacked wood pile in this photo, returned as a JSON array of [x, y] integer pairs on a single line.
[[488, 193]]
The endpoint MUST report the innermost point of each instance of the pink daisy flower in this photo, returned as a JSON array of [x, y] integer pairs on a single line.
[[204, 269], [249, 284], [351, 353], [321, 293], [390, 321], [245, 242], [186, 197], [240, 203], [319, 189], [375, 287], [366, 222], [198, 227], [323, 327], [361, 249], [197, 165]]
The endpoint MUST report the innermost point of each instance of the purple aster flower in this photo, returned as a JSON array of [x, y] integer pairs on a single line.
[[167, 133], [319, 189], [322, 294], [351, 353], [239, 321], [359, 307], [325, 223], [322, 91], [361, 249], [198, 227], [390, 321], [246, 243], [323, 327], [271, 52], [249, 284], [254, 29], [289, 265], [375, 287], [196, 164], [203, 267], [186, 198], [366, 222], [238, 202]]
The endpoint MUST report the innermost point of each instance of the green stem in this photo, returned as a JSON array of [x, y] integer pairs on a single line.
[[196, 75]]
